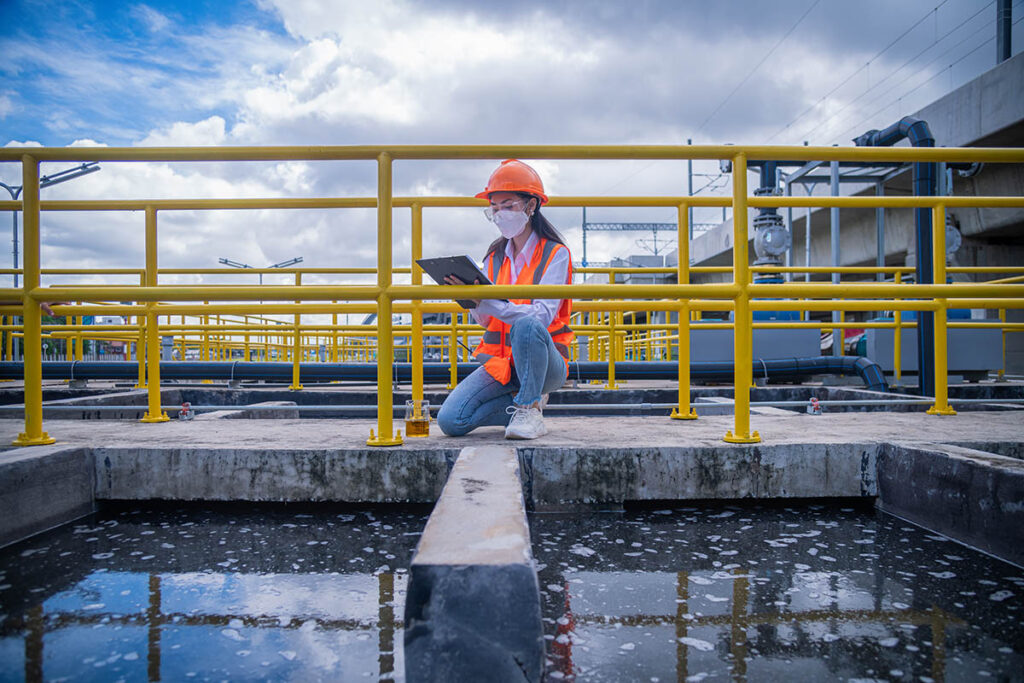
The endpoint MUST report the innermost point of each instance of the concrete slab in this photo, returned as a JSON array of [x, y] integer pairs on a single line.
[[43, 487], [472, 609]]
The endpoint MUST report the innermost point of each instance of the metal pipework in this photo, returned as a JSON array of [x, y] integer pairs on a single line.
[[436, 373], [920, 135]]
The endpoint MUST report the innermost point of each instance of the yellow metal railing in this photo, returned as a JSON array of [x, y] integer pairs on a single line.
[[741, 295]]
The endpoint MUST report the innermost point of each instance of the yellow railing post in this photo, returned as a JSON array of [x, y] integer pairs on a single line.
[[683, 411], [897, 340], [417, 315], [1002, 370], [941, 406], [296, 384], [612, 348], [32, 314], [386, 436], [742, 330], [453, 352], [140, 343], [80, 340], [154, 414]]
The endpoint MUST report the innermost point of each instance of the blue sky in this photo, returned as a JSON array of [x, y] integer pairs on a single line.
[[279, 72], [112, 71]]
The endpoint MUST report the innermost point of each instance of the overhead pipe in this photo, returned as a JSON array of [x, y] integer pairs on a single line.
[[920, 135], [786, 369]]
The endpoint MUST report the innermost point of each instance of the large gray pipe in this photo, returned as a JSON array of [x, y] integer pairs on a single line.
[[783, 370]]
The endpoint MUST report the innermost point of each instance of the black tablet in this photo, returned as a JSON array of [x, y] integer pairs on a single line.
[[462, 267]]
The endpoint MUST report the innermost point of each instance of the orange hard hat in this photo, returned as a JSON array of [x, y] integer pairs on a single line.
[[514, 176]]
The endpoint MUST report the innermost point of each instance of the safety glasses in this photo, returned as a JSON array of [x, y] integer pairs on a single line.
[[507, 205]]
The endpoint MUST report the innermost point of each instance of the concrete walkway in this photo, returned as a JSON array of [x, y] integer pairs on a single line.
[[780, 428]]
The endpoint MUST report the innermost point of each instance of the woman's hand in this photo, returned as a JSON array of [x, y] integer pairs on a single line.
[[456, 280]]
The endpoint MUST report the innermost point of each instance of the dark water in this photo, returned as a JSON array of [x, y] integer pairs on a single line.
[[802, 594], [178, 595], [714, 594]]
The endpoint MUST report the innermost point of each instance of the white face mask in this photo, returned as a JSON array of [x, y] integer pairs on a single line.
[[510, 222]]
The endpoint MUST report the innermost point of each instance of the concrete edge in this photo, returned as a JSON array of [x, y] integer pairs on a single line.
[[42, 487], [972, 496]]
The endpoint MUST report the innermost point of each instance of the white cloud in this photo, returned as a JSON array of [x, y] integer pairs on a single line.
[[208, 132], [152, 19], [448, 72]]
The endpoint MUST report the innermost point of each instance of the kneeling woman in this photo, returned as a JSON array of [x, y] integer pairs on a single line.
[[524, 352]]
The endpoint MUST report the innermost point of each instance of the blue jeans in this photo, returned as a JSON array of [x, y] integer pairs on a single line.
[[480, 400]]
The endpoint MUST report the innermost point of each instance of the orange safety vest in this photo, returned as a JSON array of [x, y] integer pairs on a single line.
[[494, 352]]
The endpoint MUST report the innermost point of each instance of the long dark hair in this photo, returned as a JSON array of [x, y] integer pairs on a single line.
[[538, 223]]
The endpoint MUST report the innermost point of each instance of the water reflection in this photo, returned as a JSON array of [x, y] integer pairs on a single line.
[[768, 594], [173, 595]]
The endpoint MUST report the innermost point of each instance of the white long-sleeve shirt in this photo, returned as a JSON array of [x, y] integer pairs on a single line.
[[544, 310]]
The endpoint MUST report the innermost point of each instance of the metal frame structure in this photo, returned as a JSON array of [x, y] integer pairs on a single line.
[[741, 295]]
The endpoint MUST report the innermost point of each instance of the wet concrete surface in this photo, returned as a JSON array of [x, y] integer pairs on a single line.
[[709, 593], [230, 593], [806, 593]]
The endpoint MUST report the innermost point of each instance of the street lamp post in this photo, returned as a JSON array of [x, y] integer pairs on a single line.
[[45, 181], [280, 264]]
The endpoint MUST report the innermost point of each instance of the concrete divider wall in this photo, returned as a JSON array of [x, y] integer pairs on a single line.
[[567, 476], [972, 496], [284, 475], [43, 487], [472, 609]]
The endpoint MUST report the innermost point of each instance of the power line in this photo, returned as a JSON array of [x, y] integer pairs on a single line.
[[831, 92], [894, 72], [922, 84], [758, 66], [951, 65]]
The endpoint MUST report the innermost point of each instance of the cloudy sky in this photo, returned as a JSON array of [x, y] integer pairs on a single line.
[[292, 72]]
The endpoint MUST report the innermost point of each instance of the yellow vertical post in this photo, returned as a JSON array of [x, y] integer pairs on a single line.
[[683, 411], [334, 336], [9, 340], [453, 352], [897, 340], [69, 342], [612, 347], [840, 334], [386, 436], [742, 324], [140, 343], [154, 414], [941, 406], [32, 315], [296, 384], [1003, 368], [417, 315], [80, 340]]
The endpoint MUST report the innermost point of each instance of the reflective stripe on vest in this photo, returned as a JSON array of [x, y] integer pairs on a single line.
[[493, 351]]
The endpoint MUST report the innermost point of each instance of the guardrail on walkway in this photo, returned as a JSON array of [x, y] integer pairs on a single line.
[[741, 295]]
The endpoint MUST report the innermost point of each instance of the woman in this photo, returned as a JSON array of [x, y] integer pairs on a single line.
[[525, 350]]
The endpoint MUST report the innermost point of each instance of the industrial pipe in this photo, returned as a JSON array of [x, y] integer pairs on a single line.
[[920, 135], [786, 369]]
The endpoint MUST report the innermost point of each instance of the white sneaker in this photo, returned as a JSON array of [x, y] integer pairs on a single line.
[[526, 423]]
